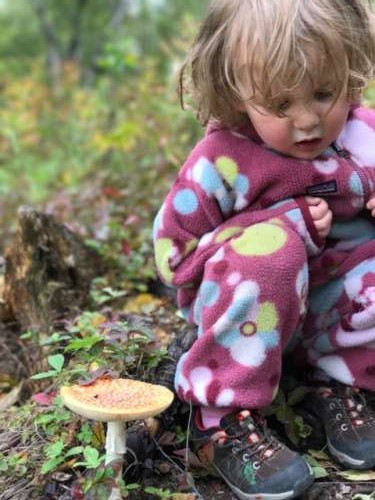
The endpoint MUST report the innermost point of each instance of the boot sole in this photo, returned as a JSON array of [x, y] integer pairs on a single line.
[[348, 461], [299, 488]]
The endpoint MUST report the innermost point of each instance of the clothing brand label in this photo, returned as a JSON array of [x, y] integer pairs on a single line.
[[329, 187]]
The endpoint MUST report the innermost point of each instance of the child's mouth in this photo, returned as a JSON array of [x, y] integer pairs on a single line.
[[308, 144]]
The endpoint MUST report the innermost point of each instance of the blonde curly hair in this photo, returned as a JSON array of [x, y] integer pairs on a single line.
[[258, 49]]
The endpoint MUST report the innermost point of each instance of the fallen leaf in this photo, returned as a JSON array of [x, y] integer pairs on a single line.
[[76, 491], [318, 454], [163, 336], [358, 475], [206, 453], [142, 303], [8, 400], [317, 467], [191, 457], [97, 320], [43, 399], [126, 248], [167, 438], [153, 425], [98, 438], [7, 382], [61, 477], [184, 496], [101, 373]]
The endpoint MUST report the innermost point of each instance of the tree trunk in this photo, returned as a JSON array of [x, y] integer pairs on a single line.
[[54, 56], [48, 272], [74, 46]]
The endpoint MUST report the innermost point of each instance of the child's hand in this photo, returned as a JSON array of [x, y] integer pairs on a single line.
[[321, 214], [371, 206]]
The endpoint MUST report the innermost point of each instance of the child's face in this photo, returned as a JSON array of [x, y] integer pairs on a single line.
[[310, 123]]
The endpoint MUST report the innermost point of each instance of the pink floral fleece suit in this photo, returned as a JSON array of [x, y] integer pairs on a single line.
[[236, 238]]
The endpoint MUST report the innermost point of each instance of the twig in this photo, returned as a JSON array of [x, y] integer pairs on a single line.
[[175, 464]]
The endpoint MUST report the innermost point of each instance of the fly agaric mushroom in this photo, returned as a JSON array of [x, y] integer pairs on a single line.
[[116, 401]]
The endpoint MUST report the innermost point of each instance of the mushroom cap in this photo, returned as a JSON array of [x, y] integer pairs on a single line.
[[116, 399]]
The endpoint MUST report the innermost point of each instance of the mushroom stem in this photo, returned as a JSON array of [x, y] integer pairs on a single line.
[[115, 447], [115, 444]]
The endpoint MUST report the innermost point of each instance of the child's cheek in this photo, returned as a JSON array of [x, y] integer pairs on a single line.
[[276, 136]]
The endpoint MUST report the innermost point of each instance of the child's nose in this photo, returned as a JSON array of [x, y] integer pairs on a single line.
[[305, 118]]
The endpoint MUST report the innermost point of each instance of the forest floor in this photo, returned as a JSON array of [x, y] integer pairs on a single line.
[[162, 457]]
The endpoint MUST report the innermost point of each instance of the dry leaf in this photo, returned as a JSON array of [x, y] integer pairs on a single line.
[[358, 475], [142, 303], [98, 430], [61, 477], [163, 336], [8, 400], [153, 425], [319, 454], [98, 319], [184, 496], [206, 453], [7, 382]]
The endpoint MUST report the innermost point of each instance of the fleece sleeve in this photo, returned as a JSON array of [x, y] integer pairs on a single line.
[[199, 214], [358, 138]]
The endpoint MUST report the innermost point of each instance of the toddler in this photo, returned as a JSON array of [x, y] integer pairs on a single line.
[[268, 233]]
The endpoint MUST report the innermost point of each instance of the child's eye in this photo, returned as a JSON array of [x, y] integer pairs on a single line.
[[323, 95], [283, 106]]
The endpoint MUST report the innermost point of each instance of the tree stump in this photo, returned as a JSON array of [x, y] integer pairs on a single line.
[[48, 272]]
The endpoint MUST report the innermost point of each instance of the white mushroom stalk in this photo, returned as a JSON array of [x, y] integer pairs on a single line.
[[115, 447], [115, 443], [116, 401]]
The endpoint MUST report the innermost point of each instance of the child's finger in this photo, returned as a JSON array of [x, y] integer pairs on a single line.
[[323, 225], [312, 200], [320, 210]]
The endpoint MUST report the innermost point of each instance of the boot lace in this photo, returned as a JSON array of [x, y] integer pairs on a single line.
[[351, 407], [249, 436]]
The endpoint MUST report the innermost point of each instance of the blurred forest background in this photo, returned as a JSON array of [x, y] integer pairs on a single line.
[[91, 129]]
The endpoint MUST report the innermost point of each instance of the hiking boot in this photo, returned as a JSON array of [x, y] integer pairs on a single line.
[[349, 424], [250, 459]]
